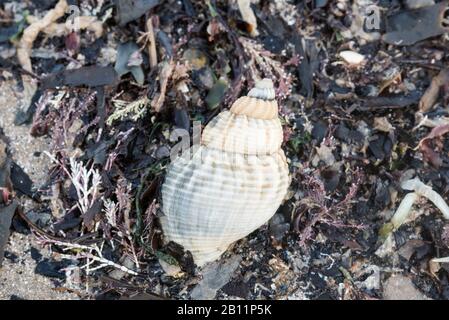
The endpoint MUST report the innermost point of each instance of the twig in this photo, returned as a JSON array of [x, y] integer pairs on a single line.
[[166, 71], [151, 43], [431, 95]]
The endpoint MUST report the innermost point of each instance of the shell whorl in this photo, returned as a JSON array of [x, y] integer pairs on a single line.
[[260, 102], [263, 90], [250, 127]]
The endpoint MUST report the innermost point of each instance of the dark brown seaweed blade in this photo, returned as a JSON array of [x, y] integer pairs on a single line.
[[6, 214], [305, 68], [129, 10], [91, 76], [124, 52], [408, 27], [25, 117], [21, 181], [393, 101]]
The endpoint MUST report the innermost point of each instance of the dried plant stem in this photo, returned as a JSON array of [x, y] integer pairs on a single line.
[[425, 191], [166, 70], [431, 95], [404, 209], [441, 260], [151, 43]]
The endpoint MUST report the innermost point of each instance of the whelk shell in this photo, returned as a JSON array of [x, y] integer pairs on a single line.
[[233, 183]]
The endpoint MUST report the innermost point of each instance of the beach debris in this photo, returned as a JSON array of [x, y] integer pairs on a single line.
[[278, 227], [150, 41], [54, 29], [7, 207], [441, 260], [6, 214], [21, 181], [91, 76], [132, 110], [424, 120], [382, 124], [392, 101], [129, 10], [248, 16], [431, 95], [365, 13], [410, 26], [427, 148], [403, 212], [49, 26], [351, 57], [166, 70], [399, 287], [215, 275], [125, 54], [32, 31]]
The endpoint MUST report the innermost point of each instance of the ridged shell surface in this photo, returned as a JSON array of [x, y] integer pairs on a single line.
[[242, 134], [233, 183]]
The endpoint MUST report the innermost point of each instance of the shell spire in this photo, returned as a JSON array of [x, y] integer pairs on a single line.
[[260, 102], [263, 89]]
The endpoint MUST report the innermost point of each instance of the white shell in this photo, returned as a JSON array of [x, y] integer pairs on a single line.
[[233, 184], [352, 57]]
